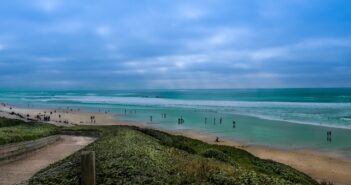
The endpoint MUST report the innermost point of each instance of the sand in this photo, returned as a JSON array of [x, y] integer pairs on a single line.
[[321, 166], [21, 170]]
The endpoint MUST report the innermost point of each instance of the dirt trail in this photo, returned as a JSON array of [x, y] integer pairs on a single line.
[[21, 170]]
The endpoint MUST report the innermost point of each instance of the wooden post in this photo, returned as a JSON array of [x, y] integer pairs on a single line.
[[88, 168]]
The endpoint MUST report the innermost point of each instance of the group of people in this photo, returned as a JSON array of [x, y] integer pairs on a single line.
[[220, 121], [92, 119], [180, 120]]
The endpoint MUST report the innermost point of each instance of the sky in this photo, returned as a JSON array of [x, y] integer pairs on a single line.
[[180, 44]]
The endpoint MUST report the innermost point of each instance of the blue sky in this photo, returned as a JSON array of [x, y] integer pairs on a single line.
[[114, 44]]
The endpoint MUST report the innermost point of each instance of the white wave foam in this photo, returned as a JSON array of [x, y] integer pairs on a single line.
[[212, 103]]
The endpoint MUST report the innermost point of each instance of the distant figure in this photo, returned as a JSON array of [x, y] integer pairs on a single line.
[[150, 118], [59, 115], [214, 120], [329, 135], [180, 120], [220, 120], [217, 139], [234, 124]]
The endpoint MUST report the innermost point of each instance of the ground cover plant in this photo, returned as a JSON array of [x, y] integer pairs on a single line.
[[130, 155], [12, 131]]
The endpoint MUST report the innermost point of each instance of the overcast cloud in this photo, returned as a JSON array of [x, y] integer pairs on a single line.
[[114, 44]]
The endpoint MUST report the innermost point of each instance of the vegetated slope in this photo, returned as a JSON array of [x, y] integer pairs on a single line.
[[12, 131], [129, 155]]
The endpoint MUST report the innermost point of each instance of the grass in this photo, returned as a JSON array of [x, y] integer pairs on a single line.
[[12, 131], [130, 155]]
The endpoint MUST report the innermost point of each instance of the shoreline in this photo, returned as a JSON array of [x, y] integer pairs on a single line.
[[319, 165]]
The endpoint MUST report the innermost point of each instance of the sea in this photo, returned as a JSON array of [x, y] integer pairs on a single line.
[[291, 118]]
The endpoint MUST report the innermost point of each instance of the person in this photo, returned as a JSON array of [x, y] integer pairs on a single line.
[[329, 133], [217, 139], [220, 120], [234, 124]]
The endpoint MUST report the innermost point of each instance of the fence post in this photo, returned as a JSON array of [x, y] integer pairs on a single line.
[[88, 168]]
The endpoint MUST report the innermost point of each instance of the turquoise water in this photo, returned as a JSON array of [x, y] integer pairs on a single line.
[[285, 118]]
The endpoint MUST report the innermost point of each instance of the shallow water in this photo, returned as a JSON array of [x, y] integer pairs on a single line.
[[286, 118]]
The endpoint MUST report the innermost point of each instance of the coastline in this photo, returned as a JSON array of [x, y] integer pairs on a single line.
[[319, 165]]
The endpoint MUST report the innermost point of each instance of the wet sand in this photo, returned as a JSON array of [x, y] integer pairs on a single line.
[[321, 166], [21, 170]]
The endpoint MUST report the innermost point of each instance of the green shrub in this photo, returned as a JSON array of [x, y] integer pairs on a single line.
[[18, 131], [129, 155], [216, 154]]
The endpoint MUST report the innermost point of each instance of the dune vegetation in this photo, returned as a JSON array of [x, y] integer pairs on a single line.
[[130, 155], [12, 131]]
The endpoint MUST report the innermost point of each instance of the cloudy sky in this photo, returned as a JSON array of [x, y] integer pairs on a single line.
[[115, 44]]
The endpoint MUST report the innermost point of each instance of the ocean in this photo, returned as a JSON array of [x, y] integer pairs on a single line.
[[285, 118]]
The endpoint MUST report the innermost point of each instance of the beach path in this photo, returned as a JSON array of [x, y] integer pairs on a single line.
[[21, 170]]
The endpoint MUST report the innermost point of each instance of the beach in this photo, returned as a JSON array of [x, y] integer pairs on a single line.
[[319, 165]]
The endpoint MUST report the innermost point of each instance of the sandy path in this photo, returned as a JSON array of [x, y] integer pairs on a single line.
[[23, 169]]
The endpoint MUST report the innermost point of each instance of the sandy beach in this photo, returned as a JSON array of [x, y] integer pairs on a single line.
[[321, 166]]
